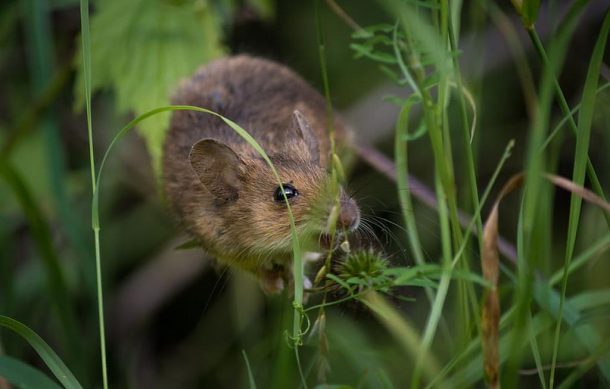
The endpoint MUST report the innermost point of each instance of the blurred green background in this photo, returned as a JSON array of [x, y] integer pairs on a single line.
[[172, 318]]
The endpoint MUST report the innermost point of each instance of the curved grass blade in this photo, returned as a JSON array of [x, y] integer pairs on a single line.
[[50, 358], [585, 119], [23, 375], [404, 194], [567, 117], [296, 248], [592, 251], [251, 381]]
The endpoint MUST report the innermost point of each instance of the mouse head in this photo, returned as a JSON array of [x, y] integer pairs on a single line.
[[253, 204]]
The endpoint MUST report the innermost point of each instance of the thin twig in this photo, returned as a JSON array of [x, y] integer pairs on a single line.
[[343, 15]]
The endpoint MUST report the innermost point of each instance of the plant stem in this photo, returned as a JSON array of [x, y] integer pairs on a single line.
[[86, 42]]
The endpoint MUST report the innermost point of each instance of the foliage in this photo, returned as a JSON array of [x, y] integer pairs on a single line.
[[141, 50], [63, 374], [422, 299]]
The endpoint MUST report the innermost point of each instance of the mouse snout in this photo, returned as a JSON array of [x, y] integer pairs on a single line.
[[349, 216]]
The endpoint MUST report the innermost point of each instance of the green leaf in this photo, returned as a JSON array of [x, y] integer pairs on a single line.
[[528, 10], [405, 273], [141, 49], [393, 75], [587, 334], [419, 282], [591, 300], [459, 274], [419, 132], [368, 51], [370, 31], [53, 362], [338, 281], [23, 375]]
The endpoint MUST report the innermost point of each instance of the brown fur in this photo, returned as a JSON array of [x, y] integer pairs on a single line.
[[235, 216]]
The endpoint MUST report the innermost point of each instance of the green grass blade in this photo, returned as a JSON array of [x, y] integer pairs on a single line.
[[490, 184], [50, 358], [467, 376], [467, 135], [404, 332], [536, 353], [587, 334], [324, 72], [251, 381], [86, 42], [42, 236], [567, 117], [427, 41], [569, 24], [535, 221], [23, 375], [591, 300], [592, 251], [548, 299], [86, 51], [529, 11], [436, 310], [404, 196], [585, 119]]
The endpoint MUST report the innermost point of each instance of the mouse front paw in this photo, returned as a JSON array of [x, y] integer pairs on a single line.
[[273, 279]]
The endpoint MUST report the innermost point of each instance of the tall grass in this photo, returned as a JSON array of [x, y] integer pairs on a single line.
[[537, 322], [86, 60]]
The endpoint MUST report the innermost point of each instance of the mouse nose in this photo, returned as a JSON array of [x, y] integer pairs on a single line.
[[349, 217]]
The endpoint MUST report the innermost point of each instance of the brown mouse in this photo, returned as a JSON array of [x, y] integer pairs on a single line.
[[220, 188]]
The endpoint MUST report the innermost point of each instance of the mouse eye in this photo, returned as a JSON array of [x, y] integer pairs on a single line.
[[287, 189]]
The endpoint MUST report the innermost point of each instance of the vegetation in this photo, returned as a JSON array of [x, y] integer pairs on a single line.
[[492, 272]]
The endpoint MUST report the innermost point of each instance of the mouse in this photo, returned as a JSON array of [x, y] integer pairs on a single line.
[[223, 193]]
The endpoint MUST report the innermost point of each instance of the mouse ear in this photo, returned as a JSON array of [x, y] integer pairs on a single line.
[[306, 133], [218, 167]]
